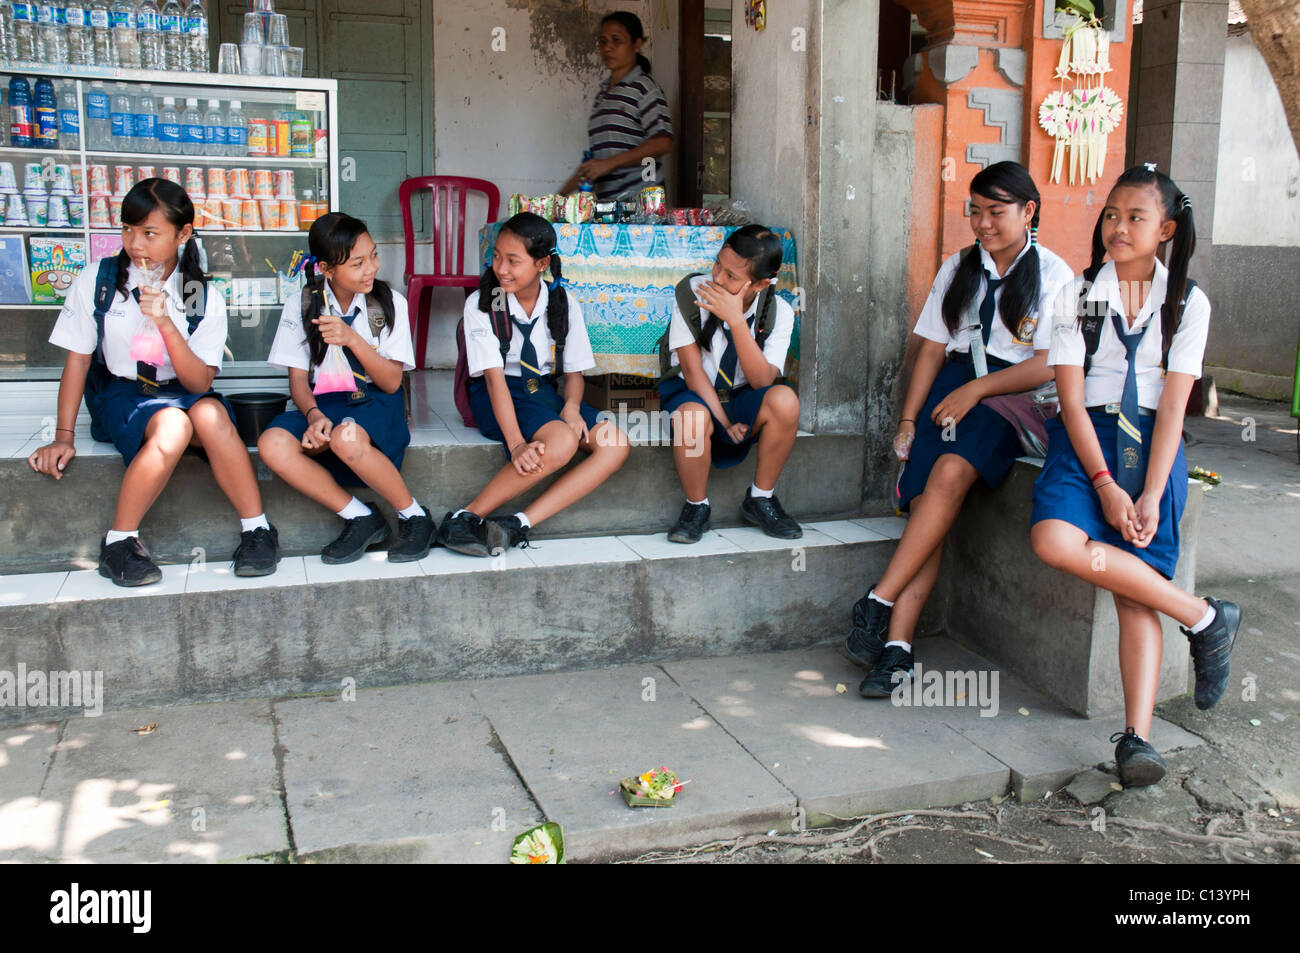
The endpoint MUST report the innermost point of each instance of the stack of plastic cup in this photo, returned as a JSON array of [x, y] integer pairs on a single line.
[[8, 182], [16, 211], [58, 212]]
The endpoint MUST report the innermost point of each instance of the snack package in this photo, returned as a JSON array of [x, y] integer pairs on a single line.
[[579, 207], [334, 374]]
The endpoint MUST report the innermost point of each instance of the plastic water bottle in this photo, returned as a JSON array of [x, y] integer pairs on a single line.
[[20, 112], [171, 23], [122, 118], [81, 48], [69, 122], [52, 29], [46, 134], [236, 130], [126, 43], [146, 121], [101, 34], [6, 30], [24, 33], [192, 129], [215, 133], [150, 36], [196, 39], [169, 127], [99, 124]]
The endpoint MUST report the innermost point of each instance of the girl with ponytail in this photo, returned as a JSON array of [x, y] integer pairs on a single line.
[[154, 403], [1113, 486], [357, 436], [983, 333], [521, 335]]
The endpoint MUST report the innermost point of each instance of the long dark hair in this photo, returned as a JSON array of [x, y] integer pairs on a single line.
[[761, 247], [632, 23], [331, 240], [146, 197], [1011, 183], [1178, 209], [538, 237]]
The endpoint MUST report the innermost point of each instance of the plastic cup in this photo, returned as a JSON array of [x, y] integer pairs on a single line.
[[250, 58], [16, 214], [76, 211], [100, 214], [255, 28], [32, 179], [291, 57], [57, 214], [38, 211], [273, 60], [8, 182], [228, 58], [277, 30], [62, 180]]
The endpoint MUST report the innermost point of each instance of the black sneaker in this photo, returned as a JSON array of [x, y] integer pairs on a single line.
[[1139, 764], [127, 563], [358, 535], [505, 532], [692, 524], [869, 633], [1210, 650], [766, 513], [258, 552], [466, 534], [894, 665], [414, 537]]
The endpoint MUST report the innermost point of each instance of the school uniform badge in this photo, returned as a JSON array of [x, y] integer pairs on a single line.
[[532, 385], [1025, 331]]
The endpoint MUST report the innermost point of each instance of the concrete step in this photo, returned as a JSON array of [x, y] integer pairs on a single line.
[[204, 634], [47, 525], [452, 771]]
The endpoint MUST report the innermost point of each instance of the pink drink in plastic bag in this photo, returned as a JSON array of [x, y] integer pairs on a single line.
[[147, 344], [334, 374]]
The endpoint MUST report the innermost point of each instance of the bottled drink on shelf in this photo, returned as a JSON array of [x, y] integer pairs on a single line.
[[150, 38], [99, 123], [192, 129], [171, 24], [196, 38], [122, 118], [24, 41], [69, 122], [46, 133], [6, 31], [146, 121], [236, 130], [126, 43], [52, 31], [101, 33], [81, 47], [169, 127], [214, 130], [21, 113]]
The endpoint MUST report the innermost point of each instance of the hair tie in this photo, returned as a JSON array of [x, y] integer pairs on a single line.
[[1185, 202], [1150, 166], [553, 251], [559, 283]]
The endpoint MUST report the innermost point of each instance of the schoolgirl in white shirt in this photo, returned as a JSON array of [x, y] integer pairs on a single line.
[[153, 412], [1114, 483]]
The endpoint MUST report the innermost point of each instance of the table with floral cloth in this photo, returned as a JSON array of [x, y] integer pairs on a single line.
[[624, 275]]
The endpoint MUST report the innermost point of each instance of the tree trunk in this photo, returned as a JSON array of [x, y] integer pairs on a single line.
[[1275, 26]]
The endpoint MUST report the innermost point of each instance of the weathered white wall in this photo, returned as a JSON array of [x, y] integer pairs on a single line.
[[1258, 185]]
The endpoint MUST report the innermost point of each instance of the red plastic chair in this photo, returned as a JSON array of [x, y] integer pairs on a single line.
[[449, 193]]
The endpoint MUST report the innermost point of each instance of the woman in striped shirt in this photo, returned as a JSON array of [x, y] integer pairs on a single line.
[[629, 120]]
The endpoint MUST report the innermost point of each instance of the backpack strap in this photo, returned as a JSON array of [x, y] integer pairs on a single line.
[[105, 288], [684, 295], [196, 307], [559, 339], [502, 327], [1092, 324], [766, 316]]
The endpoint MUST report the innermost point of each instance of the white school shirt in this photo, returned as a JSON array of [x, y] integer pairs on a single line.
[[75, 328], [289, 349], [1105, 381], [483, 350], [774, 348], [1033, 334]]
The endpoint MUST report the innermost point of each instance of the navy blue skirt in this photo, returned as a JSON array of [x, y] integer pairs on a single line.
[[743, 408], [381, 415], [1064, 492], [532, 411], [124, 412], [983, 438]]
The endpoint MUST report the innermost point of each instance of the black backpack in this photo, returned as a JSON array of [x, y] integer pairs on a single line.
[[685, 296]]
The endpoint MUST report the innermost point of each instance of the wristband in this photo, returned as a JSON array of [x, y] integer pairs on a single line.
[[315, 408], [1098, 489], [1098, 474], [906, 420]]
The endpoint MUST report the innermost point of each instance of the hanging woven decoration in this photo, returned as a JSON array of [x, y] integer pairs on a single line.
[[1081, 118]]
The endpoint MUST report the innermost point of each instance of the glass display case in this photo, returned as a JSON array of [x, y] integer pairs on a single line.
[[257, 155]]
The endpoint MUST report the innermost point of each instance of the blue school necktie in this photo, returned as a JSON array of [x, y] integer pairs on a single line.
[[358, 371], [1128, 442], [989, 306], [727, 365], [529, 367]]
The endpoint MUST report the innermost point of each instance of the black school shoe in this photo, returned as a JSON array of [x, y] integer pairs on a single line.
[[358, 535], [127, 563], [881, 681], [505, 532], [414, 538], [465, 534], [257, 553], [1139, 764], [691, 524], [766, 513], [869, 633], [1211, 648]]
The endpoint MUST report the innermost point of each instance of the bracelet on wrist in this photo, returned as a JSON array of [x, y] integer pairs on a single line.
[[311, 408], [1099, 474], [1106, 484], [64, 429], [906, 420]]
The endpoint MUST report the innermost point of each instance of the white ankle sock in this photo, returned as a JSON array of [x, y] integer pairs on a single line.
[[257, 522], [523, 520], [1205, 619], [883, 602], [703, 502], [758, 494], [415, 509], [354, 510], [113, 536], [901, 645]]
